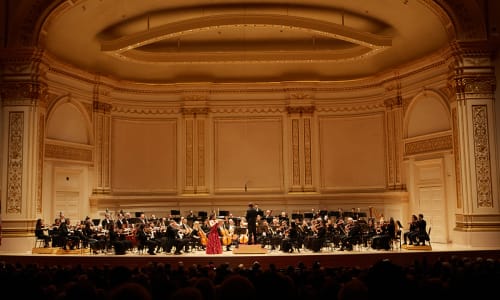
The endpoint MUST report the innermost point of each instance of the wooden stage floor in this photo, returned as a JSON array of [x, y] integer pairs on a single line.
[[359, 257]]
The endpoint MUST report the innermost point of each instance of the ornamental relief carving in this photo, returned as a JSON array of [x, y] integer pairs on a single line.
[[429, 145], [482, 155], [39, 175], [249, 110], [354, 108], [68, 153], [300, 109], [137, 110], [201, 152], [101, 107], [15, 93], [15, 162], [194, 110], [479, 84]]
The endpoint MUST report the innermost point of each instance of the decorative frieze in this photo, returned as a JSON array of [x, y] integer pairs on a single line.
[[429, 145], [194, 110], [65, 152], [20, 93]]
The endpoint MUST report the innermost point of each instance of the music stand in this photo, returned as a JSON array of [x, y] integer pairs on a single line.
[[223, 213], [96, 222], [237, 221], [308, 216], [202, 215], [175, 212], [297, 216], [334, 214], [138, 214]]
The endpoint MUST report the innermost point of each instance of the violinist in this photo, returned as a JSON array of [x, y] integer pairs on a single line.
[[412, 229], [214, 245], [40, 232], [290, 239]]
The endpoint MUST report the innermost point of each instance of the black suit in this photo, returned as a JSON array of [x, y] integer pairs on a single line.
[[251, 217]]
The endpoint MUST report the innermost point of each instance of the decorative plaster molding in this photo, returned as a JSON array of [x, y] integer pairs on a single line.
[[482, 155], [39, 163], [456, 146], [102, 107], [201, 152], [194, 110], [429, 145], [15, 162], [68, 153], [301, 109]]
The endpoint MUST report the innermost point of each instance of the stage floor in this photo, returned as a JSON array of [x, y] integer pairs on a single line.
[[359, 257]]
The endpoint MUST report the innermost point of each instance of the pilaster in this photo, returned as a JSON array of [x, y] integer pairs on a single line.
[[23, 106], [477, 181]]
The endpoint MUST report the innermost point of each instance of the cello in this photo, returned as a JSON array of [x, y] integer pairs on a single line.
[[203, 237], [226, 238]]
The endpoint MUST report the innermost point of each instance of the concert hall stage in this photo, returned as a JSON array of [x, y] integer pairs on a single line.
[[359, 257]]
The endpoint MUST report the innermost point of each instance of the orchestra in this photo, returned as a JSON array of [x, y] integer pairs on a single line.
[[313, 231]]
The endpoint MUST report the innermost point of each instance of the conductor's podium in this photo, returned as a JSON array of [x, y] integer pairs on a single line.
[[249, 249], [416, 247]]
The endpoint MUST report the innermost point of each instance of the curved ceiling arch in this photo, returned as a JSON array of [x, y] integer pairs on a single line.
[[357, 43], [316, 43]]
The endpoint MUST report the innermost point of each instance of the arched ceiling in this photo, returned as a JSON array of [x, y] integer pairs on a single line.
[[242, 41]]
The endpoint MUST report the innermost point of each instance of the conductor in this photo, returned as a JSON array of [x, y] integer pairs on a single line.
[[251, 217]]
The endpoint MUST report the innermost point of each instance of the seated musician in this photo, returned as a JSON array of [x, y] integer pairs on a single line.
[[198, 236], [319, 235], [144, 240], [412, 230], [40, 233], [186, 233], [175, 238], [55, 234], [290, 239], [91, 238], [385, 234], [420, 235], [67, 236], [352, 235]]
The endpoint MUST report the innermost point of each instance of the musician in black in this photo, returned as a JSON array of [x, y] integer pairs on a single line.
[[420, 235], [412, 230], [40, 233], [290, 239], [352, 235], [175, 238], [144, 240]]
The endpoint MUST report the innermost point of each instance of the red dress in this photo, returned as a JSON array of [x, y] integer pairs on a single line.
[[214, 245]]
